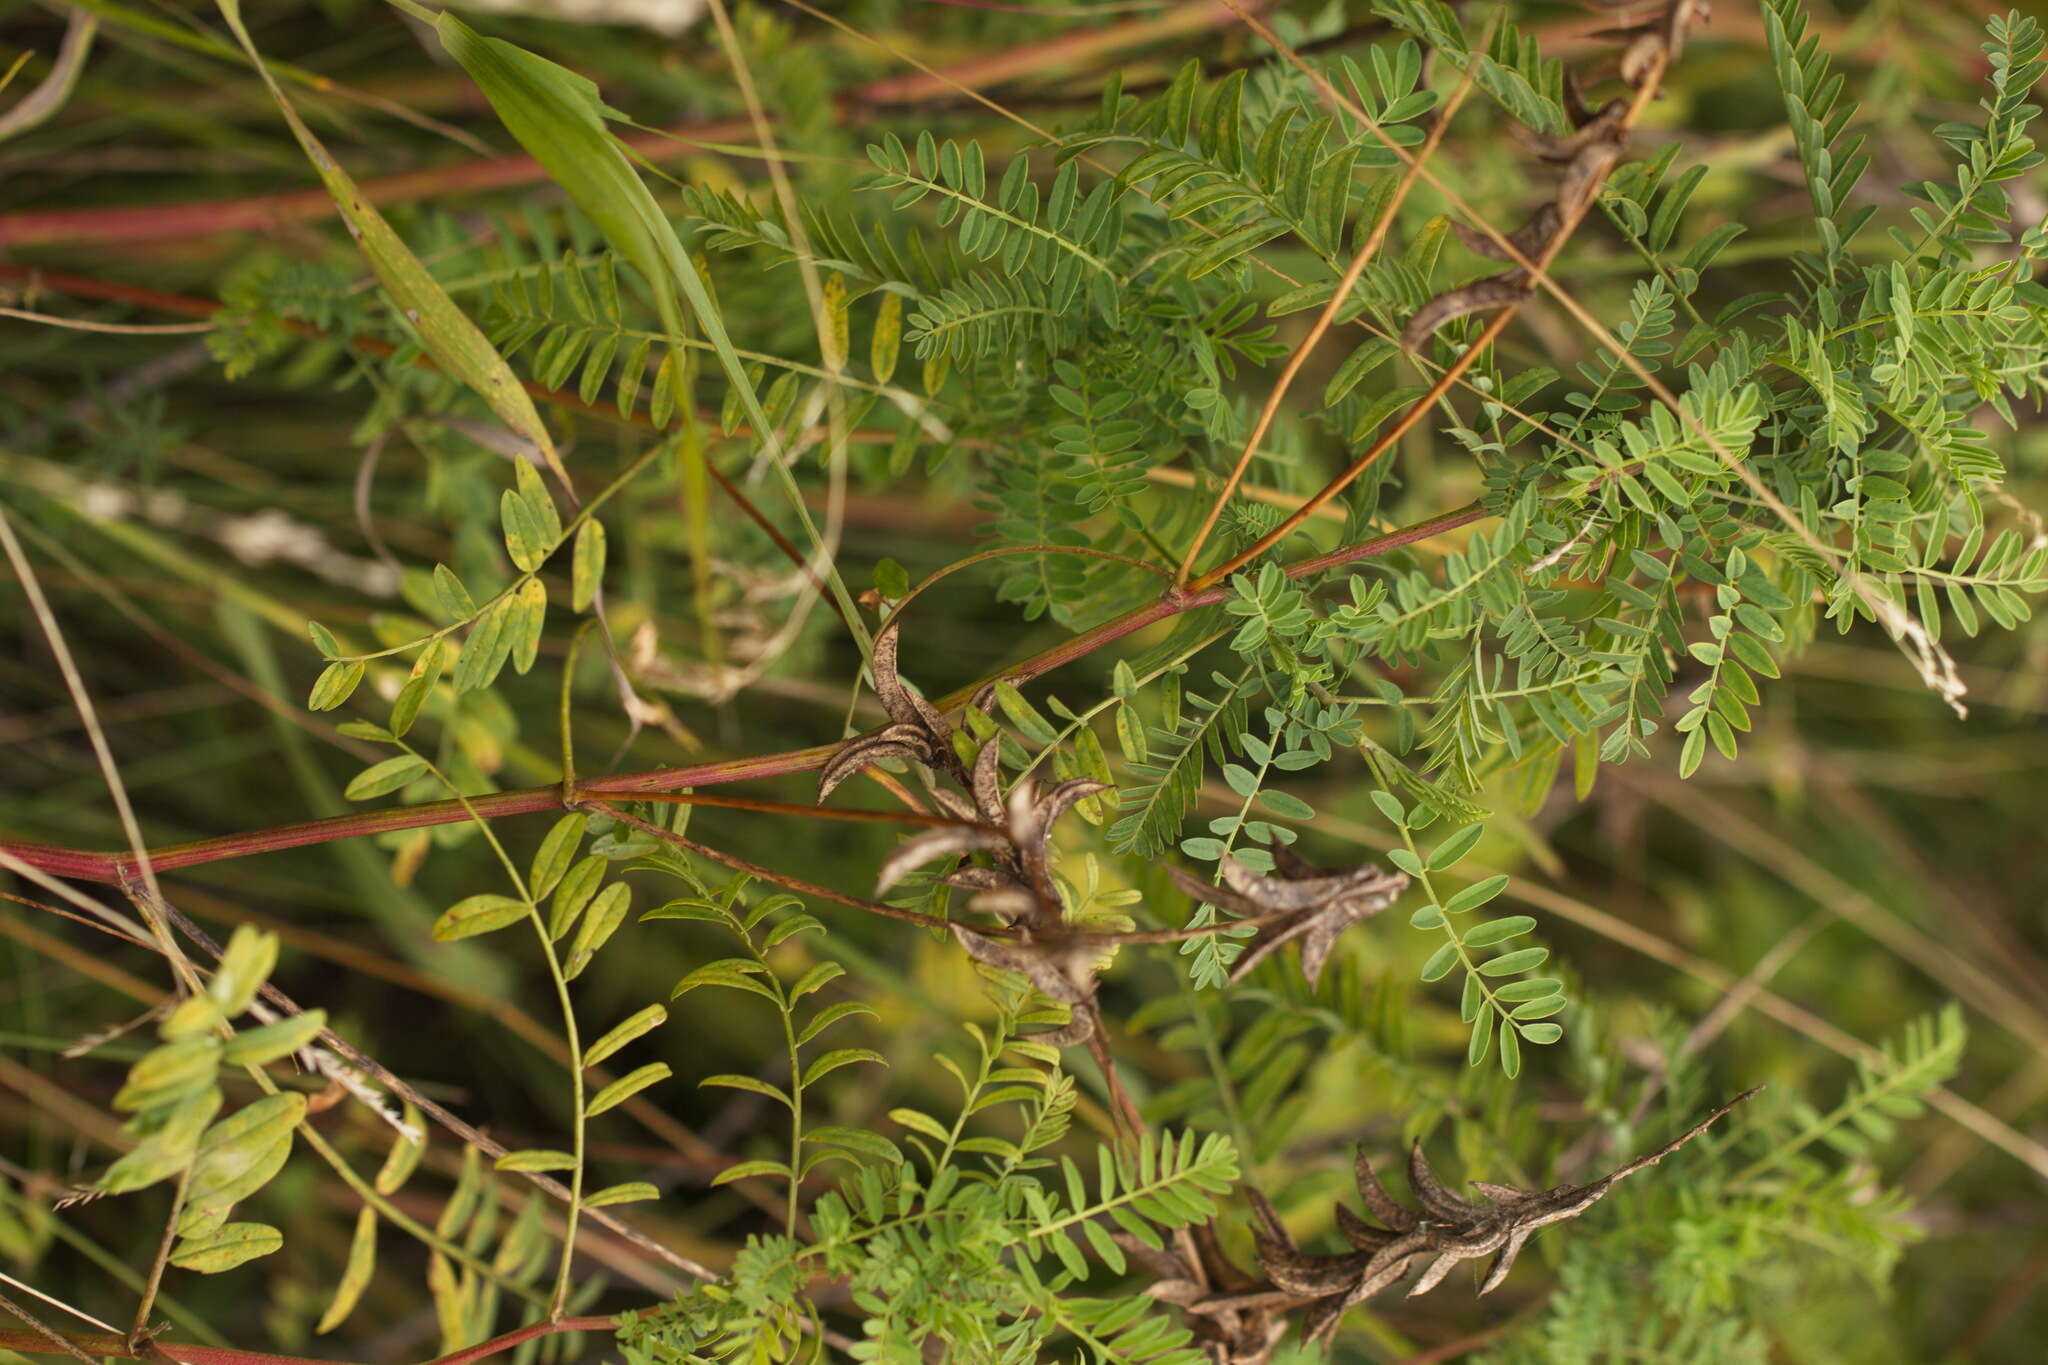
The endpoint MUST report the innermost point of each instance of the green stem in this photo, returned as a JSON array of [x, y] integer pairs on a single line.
[[571, 1040]]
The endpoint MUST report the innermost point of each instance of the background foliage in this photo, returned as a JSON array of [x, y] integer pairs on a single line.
[[798, 347]]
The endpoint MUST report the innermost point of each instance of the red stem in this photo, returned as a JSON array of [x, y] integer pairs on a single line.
[[114, 868], [107, 1344], [270, 212]]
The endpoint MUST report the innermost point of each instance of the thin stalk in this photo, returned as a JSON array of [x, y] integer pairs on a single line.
[[155, 1280], [1339, 296], [570, 1040]]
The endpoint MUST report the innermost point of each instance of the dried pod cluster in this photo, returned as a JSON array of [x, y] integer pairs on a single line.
[[1587, 154], [1303, 901], [1015, 885], [1236, 1319], [1017, 888], [1443, 1232]]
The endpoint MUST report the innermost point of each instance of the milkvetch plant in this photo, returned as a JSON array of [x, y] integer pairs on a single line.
[[1379, 429]]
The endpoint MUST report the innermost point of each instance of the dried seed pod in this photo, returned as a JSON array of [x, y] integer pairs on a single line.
[[1301, 901], [1210, 1290], [917, 732], [1062, 966], [1447, 1230], [1477, 297], [1528, 241]]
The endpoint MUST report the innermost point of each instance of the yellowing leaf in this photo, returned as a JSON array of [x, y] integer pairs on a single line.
[[887, 340], [587, 574], [535, 1159], [479, 914], [457, 345], [238, 1156], [244, 967], [355, 1276], [257, 1046], [403, 1157]]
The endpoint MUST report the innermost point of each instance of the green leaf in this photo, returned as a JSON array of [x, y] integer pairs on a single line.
[[551, 859], [729, 1081], [1493, 931], [830, 1015], [629, 1192], [559, 118], [633, 1026], [625, 1087], [388, 776], [823, 1066], [744, 1169], [1476, 895], [257, 1046], [454, 598], [918, 1122], [732, 972], [479, 914], [604, 917], [1450, 851], [573, 892], [535, 1159], [1519, 961], [860, 1141], [1029, 721]]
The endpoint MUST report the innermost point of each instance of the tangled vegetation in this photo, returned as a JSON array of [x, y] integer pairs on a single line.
[[906, 682]]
